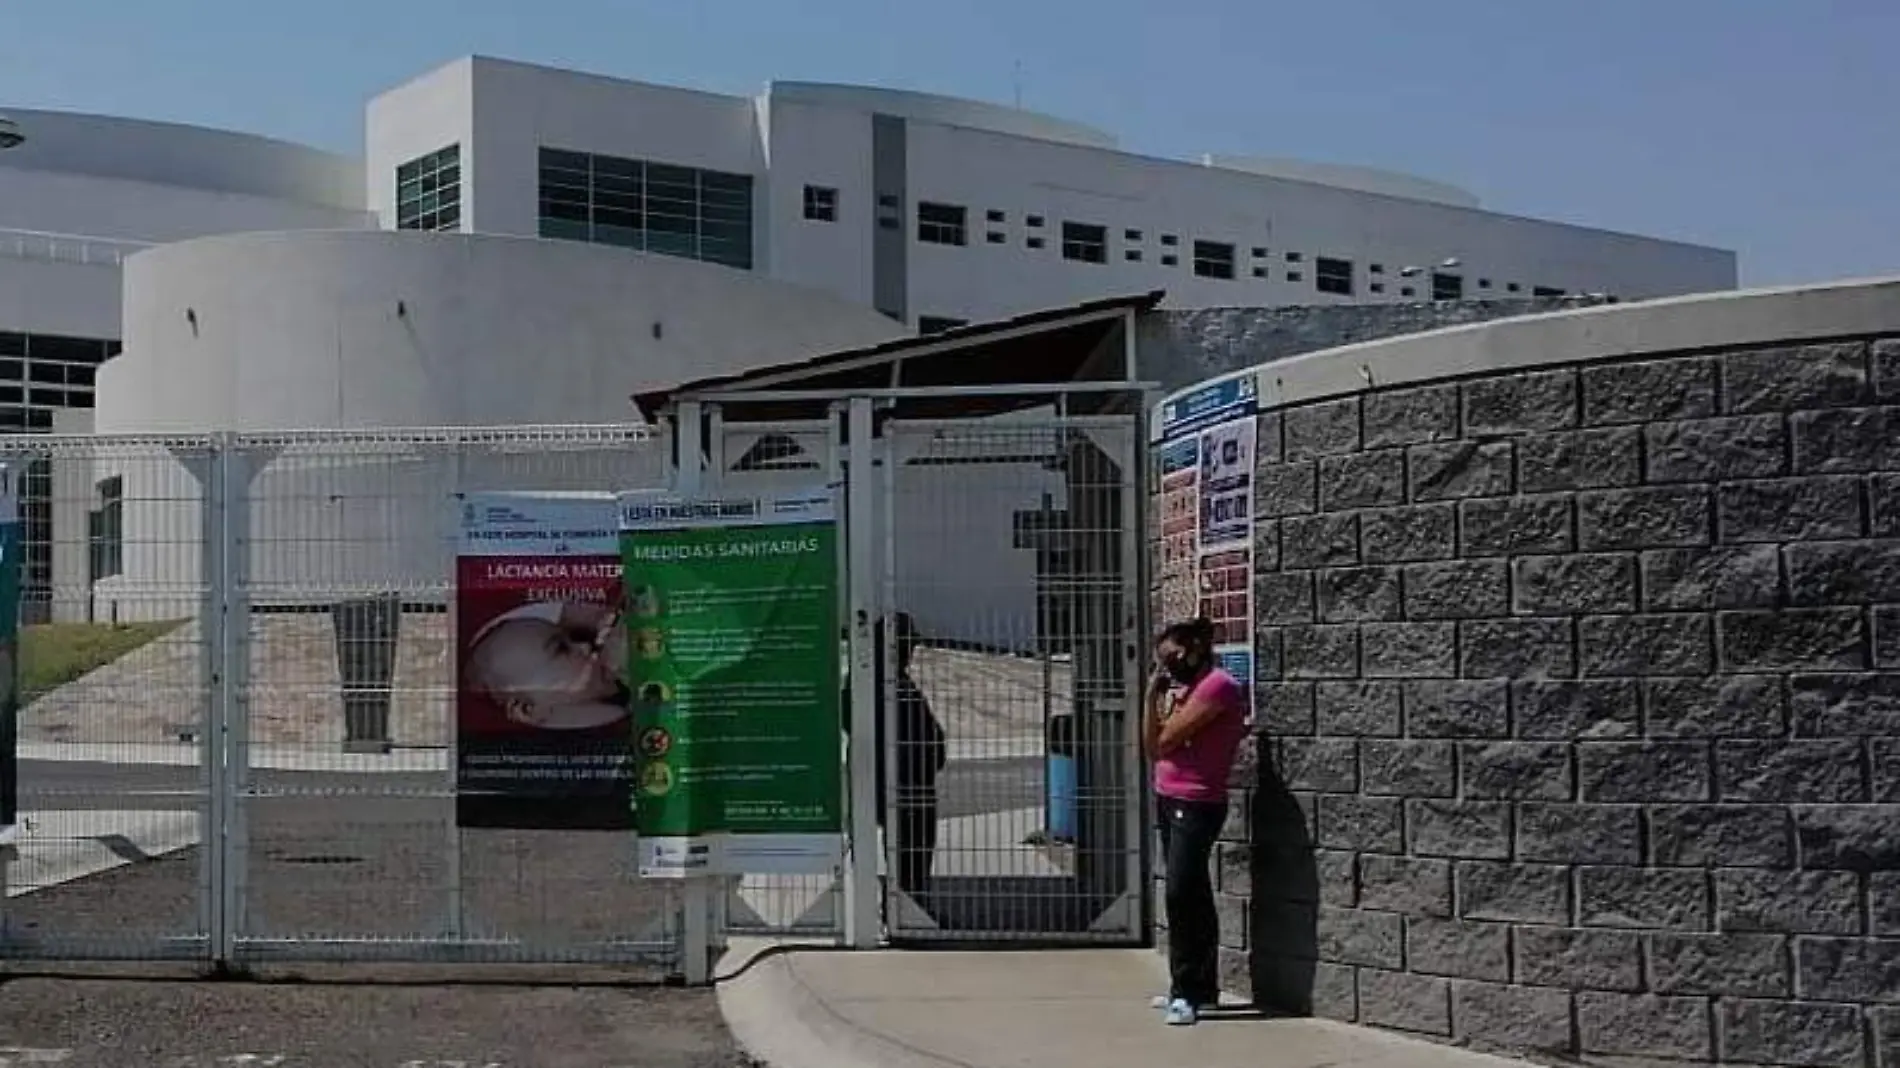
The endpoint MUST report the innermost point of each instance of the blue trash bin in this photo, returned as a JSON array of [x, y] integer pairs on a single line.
[[1060, 775]]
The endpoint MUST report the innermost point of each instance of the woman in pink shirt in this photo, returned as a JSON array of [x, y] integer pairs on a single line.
[[1195, 721]]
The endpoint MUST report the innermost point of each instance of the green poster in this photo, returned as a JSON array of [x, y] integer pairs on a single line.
[[732, 637], [10, 550]]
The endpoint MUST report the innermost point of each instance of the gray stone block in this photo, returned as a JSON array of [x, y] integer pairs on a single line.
[[1795, 902], [1359, 593], [1736, 836], [1643, 771], [1848, 969], [1337, 873], [1410, 650], [1671, 899], [1862, 838], [1883, 903], [1284, 708], [1410, 885], [1733, 706], [1459, 469], [1320, 652], [1846, 439], [1319, 541], [1365, 480], [1269, 441], [1700, 579], [1461, 949], [1596, 709], [1358, 708], [1887, 637], [1579, 834], [1269, 654], [1847, 572], [1513, 525], [1579, 960], [1516, 770], [1657, 517], [1780, 1032], [1323, 429], [1569, 585], [1410, 416], [1408, 768], [1812, 639], [1789, 509], [1664, 644], [1266, 544], [1286, 489], [1783, 771], [1739, 965], [1521, 403], [1230, 911], [1886, 366], [1330, 764], [1579, 460], [1405, 1002], [1649, 391], [1403, 535], [1516, 648], [1368, 939], [1644, 1026], [1709, 450], [1369, 824], [1514, 893], [1435, 709], [1801, 376], [1883, 505], [1832, 705], [1491, 1015], [1336, 992], [1472, 829], [1233, 869], [1883, 757], [1886, 1029], [1283, 597], [1459, 589]]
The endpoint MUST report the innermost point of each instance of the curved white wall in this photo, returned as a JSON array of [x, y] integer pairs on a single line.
[[1348, 176], [943, 110], [388, 328]]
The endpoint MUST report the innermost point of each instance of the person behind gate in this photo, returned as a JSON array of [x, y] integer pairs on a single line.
[[1195, 721]]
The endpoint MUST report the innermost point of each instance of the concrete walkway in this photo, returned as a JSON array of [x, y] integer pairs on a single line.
[[797, 1007]]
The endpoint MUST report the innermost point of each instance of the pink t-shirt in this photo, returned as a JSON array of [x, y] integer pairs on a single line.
[[1198, 770]]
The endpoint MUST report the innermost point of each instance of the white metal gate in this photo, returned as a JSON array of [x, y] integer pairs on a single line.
[[1013, 543]]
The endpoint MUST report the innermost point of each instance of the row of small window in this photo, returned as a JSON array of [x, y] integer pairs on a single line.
[[52, 348], [947, 224], [655, 207], [429, 191]]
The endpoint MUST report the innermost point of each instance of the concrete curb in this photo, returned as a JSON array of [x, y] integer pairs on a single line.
[[780, 1020]]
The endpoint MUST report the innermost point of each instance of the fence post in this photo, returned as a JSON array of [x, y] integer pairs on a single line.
[[861, 883], [696, 904]]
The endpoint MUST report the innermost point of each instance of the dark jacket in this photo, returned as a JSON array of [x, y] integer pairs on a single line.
[[921, 750]]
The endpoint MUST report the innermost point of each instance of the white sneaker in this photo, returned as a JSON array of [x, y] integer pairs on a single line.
[[1180, 1013]]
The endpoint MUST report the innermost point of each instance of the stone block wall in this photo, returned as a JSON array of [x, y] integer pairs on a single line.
[[1579, 708]]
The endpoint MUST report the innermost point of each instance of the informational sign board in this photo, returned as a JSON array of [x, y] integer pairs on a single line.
[[543, 726], [10, 553], [1207, 445], [733, 637]]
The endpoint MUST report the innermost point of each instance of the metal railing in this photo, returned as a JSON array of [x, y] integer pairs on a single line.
[[68, 248]]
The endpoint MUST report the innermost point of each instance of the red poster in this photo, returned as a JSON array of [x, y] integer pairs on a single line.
[[541, 700]]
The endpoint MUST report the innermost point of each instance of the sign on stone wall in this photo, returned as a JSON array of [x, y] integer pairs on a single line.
[[1207, 444]]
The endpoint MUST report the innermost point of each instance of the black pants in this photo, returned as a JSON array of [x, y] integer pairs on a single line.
[[1189, 830], [916, 841]]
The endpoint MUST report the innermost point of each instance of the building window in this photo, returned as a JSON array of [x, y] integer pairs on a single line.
[[429, 191], [1259, 252], [937, 324], [1132, 255], [1034, 222], [1033, 242], [1260, 272], [1213, 259], [1377, 287], [1170, 240], [1295, 257], [1170, 260], [821, 203], [1333, 276], [940, 224], [653, 207], [1131, 235], [1447, 286], [995, 216], [887, 200], [107, 529], [1084, 241], [1407, 291], [1295, 276], [1484, 283], [1546, 291], [996, 237], [1512, 287], [1376, 268]]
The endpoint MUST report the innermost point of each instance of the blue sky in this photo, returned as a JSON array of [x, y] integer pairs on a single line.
[[1767, 126]]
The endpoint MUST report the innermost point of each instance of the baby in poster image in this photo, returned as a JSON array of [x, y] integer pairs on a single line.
[[556, 665]]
